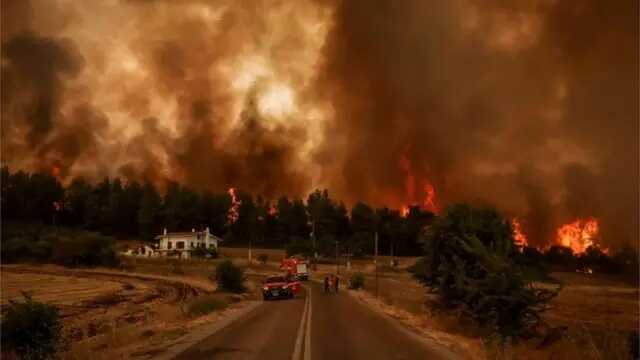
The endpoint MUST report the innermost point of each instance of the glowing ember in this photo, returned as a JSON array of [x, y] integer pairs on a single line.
[[404, 211], [519, 237], [234, 210], [578, 235]]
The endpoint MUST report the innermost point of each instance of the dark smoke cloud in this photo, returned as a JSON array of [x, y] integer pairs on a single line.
[[530, 105], [476, 107]]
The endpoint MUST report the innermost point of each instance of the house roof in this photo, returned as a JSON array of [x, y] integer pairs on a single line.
[[186, 234]]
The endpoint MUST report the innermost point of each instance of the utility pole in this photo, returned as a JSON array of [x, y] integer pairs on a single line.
[[337, 265], [375, 260]]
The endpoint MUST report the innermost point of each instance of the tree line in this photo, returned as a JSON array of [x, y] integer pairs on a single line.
[[139, 210]]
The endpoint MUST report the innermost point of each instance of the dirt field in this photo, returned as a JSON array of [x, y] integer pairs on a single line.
[[118, 314], [53, 289]]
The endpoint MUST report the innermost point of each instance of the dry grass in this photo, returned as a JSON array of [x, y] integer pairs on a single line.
[[113, 314], [59, 290], [599, 314]]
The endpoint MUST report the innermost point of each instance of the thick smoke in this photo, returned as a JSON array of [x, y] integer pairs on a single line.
[[529, 105]]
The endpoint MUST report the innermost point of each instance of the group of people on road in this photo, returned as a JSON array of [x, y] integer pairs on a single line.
[[331, 283]]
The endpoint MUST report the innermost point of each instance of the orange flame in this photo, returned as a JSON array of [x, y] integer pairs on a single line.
[[520, 238], [429, 202], [578, 235], [234, 210], [404, 211]]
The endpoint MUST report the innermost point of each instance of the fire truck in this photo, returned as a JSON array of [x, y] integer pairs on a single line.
[[296, 267]]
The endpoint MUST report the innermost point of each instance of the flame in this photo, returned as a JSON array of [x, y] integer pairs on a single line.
[[520, 238], [273, 210], [234, 210], [404, 211], [430, 198], [578, 235], [429, 202]]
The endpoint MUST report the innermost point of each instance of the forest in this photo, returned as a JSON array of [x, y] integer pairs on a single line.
[[134, 210]]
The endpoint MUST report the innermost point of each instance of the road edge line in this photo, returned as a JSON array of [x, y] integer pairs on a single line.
[[298, 346], [206, 331]]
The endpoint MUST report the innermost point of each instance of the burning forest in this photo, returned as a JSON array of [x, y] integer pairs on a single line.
[[399, 105]]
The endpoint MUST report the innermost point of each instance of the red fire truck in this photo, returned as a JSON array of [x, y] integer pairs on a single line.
[[296, 267]]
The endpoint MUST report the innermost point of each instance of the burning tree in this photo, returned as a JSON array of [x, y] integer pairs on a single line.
[[469, 262]]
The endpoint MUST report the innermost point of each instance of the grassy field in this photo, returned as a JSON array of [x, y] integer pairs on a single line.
[[599, 313]]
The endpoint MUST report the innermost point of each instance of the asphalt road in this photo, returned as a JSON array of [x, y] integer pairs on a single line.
[[339, 328]]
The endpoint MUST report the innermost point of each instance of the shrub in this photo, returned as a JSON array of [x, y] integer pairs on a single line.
[[15, 249], [206, 304], [31, 329], [468, 262], [263, 258], [230, 277], [356, 281]]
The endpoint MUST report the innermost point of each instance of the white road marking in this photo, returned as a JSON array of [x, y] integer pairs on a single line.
[[307, 342], [298, 347]]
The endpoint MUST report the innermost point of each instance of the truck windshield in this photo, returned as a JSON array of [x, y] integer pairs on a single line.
[[275, 279]]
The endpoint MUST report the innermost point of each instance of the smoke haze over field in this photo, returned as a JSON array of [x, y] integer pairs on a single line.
[[531, 105]]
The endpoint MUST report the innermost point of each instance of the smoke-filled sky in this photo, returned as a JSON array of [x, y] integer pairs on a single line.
[[531, 105]]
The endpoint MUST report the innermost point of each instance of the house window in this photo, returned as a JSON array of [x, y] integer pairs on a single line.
[[211, 246], [192, 244], [180, 245]]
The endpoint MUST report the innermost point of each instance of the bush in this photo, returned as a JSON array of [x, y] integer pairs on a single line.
[[468, 262], [263, 258], [230, 277], [83, 249], [31, 329], [356, 281], [206, 304]]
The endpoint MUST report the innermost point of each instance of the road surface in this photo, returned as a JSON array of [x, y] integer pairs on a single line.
[[314, 326]]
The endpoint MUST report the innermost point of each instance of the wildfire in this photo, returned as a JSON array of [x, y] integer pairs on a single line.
[[430, 198], [429, 202], [234, 210], [578, 235], [519, 237], [404, 211]]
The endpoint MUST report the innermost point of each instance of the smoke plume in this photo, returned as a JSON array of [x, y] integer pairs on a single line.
[[530, 105]]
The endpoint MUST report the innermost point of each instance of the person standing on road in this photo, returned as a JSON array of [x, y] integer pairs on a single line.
[[326, 284], [335, 283]]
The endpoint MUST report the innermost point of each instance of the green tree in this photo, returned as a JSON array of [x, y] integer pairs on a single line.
[[468, 262], [148, 212]]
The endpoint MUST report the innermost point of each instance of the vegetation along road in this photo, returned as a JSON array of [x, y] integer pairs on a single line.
[[314, 325]]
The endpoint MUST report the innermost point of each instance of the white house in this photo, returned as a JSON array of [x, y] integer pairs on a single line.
[[182, 244]]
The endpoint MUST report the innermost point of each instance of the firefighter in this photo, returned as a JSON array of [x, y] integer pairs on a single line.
[[326, 284]]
